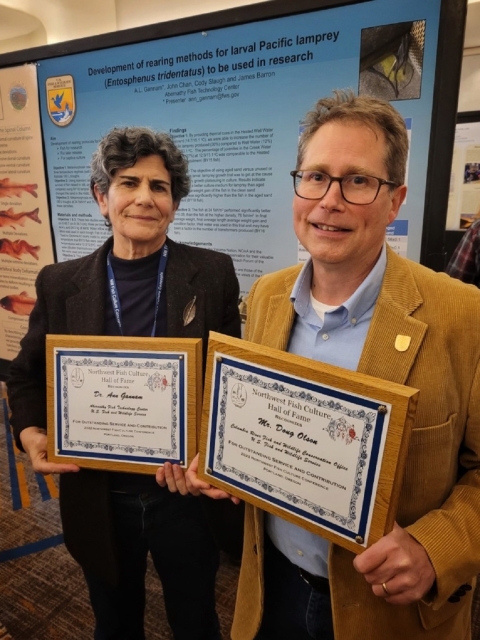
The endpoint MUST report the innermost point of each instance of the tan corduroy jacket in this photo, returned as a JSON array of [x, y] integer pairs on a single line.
[[440, 497]]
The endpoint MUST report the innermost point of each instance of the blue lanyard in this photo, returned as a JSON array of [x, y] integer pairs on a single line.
[[112, 285]]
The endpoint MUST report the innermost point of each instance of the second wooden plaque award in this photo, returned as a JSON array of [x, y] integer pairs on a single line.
[[315, 444]]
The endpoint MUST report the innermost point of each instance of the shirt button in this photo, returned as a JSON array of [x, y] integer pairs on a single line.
[[299, 552], [325, 336], [353, 321]]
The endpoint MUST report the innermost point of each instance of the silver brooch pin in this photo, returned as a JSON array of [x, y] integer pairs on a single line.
[[189, 312]]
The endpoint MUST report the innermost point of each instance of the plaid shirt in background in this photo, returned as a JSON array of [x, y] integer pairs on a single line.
[[465, 265], [465, 262]]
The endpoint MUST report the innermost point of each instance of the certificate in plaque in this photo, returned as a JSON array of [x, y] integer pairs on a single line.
[[123, 404], [320, 446]]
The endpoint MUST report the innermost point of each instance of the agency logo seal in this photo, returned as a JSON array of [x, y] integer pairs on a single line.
[[18, 97], [239, 395], [77, 377], [61, 104]]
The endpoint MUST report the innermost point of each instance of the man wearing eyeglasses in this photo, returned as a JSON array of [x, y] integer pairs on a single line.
[[356, 304]]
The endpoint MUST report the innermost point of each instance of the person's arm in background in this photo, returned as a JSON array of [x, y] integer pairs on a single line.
[[465, 261]]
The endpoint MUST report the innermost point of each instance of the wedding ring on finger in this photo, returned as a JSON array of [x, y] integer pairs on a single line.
[[386, 591]]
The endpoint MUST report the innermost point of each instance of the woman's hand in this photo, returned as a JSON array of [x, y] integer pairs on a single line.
[[34, 442]]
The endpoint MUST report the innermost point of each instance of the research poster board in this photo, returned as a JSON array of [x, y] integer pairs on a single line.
[[233, 98], [464, 196], [25, 236]]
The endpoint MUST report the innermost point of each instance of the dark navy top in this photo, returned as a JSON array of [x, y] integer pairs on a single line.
[[136, 285], [136, 282]]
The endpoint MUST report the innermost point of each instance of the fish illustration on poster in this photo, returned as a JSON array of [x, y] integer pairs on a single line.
[[20, 304], [11, 219], [9, 189]]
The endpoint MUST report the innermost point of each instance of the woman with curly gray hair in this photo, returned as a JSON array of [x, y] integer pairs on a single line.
[[139, 283]]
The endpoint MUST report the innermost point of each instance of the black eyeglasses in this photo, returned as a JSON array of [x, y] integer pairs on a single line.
[[355, 188]]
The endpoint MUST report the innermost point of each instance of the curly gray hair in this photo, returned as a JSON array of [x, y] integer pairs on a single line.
[[121, 148]]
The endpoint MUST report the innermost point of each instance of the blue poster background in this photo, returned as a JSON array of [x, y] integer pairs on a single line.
[[233, 98]]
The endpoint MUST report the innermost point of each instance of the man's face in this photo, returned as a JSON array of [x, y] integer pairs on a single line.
[[338, 234], [139, 206]]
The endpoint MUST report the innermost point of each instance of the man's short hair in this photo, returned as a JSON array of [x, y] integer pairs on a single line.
[[121, 148], [345, 106]]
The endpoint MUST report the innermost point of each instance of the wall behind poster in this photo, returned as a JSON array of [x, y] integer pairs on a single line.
[[25, 237], [233, 98]]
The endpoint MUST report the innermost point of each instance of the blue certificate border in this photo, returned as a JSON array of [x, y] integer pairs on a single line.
[[132, 453], [374, 425]]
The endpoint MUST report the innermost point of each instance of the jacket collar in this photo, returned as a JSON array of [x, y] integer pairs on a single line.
[[394, 337], [277, 334], [86, 307], [392, 327], [181, 291]]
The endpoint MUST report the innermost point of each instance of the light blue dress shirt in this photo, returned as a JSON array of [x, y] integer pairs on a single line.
[[338, 340]]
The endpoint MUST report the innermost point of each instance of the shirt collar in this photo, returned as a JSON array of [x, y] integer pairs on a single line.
[[359, 302]]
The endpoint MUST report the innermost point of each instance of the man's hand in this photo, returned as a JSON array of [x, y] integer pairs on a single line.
[[194, 484], [34, 441], [397, 567], [173, 477]]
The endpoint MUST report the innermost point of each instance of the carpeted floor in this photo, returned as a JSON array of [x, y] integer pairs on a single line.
[[42, 592]]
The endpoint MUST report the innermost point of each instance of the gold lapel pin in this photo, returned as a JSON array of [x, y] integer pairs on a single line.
[[189, 312], [402, 342]]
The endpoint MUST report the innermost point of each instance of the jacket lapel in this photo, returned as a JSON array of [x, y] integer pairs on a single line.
[[181, 294], [86, 307], [394, 337], [280, 316]]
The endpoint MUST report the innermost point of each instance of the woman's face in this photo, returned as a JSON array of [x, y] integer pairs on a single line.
[[140, 207]]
